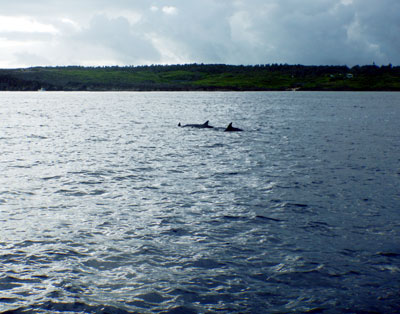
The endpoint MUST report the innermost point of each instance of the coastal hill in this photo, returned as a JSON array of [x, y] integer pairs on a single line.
[[203, 77]]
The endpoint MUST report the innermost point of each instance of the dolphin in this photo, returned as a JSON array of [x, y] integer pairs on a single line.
[[230, 128], [199, 126]]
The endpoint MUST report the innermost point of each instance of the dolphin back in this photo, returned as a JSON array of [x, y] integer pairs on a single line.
[[231, 128], [199, 126]]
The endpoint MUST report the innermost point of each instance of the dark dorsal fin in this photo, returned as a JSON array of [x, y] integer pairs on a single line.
[[229, 127], [206, 123]]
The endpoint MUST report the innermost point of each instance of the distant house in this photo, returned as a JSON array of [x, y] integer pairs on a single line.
[[349, 75]]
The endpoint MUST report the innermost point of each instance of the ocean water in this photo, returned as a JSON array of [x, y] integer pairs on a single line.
[[107, 206]]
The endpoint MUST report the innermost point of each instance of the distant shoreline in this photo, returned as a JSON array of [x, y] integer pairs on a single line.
[[203, 77]]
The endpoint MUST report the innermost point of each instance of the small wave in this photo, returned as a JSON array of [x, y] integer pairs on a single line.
[[268, 218], [22, 166], [78, 193], [90, 182], [90, 173], [297, 207], [177, 232], [9, 285], [18, 281], [40, 137], [230, 217], [8, 300], [98, 139], [51, 178], [97, 192], [73, 307], [126, 177], [389, 254], [71, 192], [152, 297]]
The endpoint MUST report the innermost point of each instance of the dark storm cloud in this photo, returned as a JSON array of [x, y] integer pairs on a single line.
[[210, 31]]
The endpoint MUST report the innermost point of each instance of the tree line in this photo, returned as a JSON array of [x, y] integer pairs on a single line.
[[203, 77]]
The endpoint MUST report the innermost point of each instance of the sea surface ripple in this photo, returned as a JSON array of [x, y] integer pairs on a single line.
[[107, 206]]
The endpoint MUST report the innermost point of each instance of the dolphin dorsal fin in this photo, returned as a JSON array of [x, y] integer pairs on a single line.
[[206, 123], [229, 127]]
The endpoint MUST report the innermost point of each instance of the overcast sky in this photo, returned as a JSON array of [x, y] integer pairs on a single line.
[[137, 32]]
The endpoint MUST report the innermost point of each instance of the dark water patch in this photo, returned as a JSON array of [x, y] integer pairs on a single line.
[[8, 300], [129, 177], [276, 202], [300, 208], [63, 255], [11, 258], [315, 310], [152, 297], [98, 139], [185, 294], [90, 182], [175, 171], [141, 169], [296, 205], [389, 254], [73, 307], [180, 310], [51, 178], [15, 280], [97, 192], [140, 304], [39, 137], [224, 174], [216, 145], [265, 218], [9, 285], [72, 192], [349, 252], [317, 182], [22, 166], [205, 263], [177, 232], [150, 187], [235, 218], [94, 173], [319, 227]]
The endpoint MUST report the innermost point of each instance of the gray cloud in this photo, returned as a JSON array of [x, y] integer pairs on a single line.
[[128, 43], [210, 31]]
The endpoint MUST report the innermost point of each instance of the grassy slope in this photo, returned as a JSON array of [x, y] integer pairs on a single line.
[[198, 77]]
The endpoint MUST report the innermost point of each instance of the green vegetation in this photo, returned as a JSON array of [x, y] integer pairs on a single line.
[[203, 77]]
